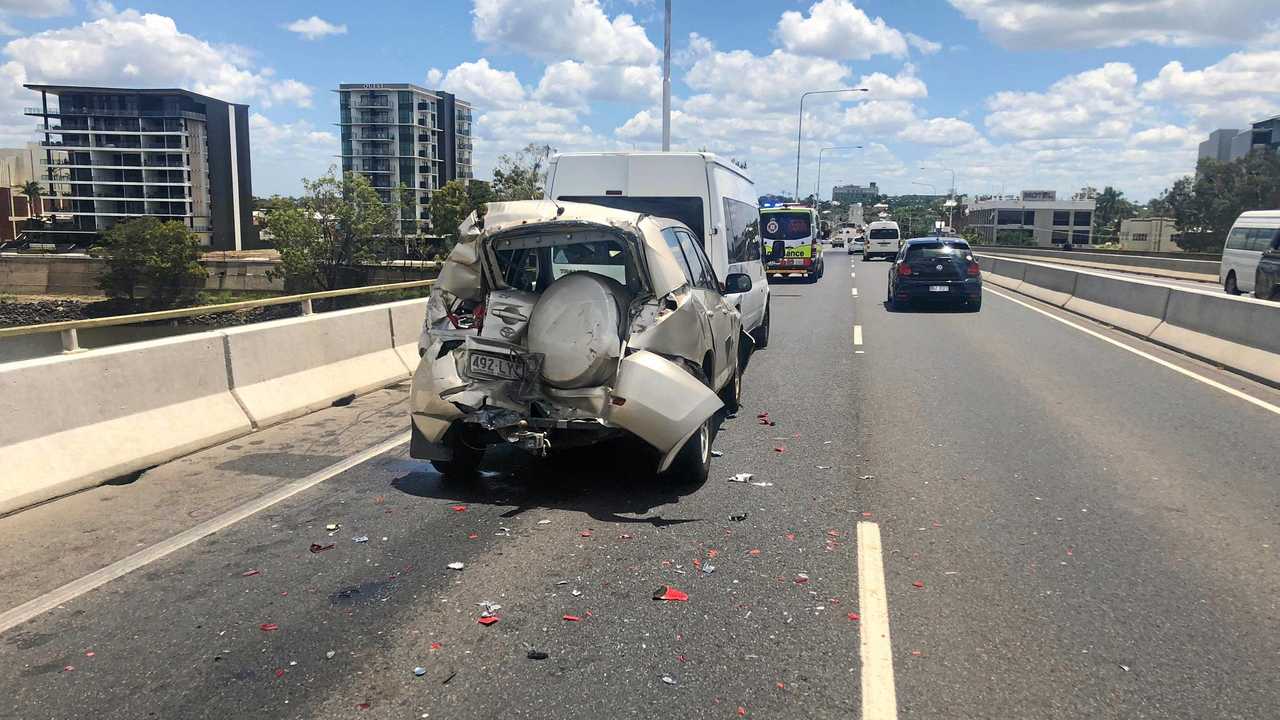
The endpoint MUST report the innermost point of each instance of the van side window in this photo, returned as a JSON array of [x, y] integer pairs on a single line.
[[743, 224], [1260, 238], [1238, 239], [673, 242], [703, 276]]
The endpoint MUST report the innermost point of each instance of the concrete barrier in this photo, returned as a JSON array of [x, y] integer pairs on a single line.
[[407, 317], [1050, 284], [1239, 333], [1134, 306], [1005, 274], [74, 421], [286, 368]]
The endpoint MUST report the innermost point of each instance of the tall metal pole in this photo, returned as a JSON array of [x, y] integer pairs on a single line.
[[817, 187], [800, 126], [666, 81]]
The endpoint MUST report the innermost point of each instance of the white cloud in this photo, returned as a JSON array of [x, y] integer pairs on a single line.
[[743, 74], [283, 153], [130, 48], [36, 8], [577, 84], [1095, 103], [880, 117], [315, 28], [1035, 24], [939, 131], [558, 29], [290, 92], [1168, 136], [482, 85], [904, 86], [924, 46], [434, 77], [1242, 87], [839, 30]]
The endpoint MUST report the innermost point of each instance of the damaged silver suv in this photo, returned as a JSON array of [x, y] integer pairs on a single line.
[[560, 325]]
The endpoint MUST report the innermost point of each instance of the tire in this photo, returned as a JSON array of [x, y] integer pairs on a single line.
[[465, 461], [762, 332], [692, 465], [1230, 287], [731, 393]]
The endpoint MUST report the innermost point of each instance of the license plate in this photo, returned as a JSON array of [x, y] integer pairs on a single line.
[[496, 366], [939, 288]]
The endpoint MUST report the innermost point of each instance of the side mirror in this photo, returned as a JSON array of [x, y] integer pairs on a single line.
[[737, 283]]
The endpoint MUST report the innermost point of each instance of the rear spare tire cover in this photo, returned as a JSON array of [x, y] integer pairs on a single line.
[[577, 325]]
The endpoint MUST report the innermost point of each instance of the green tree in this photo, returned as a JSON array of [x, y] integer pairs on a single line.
[[162, 256], [1205, 207], [452, 203], [522, 176], [328, 236], [1111, 208], [32, 190]]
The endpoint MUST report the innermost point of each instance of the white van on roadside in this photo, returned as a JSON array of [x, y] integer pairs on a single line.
[[716, 199], [1253, 233]]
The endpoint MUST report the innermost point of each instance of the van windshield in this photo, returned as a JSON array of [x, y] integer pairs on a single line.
[[687, 210]]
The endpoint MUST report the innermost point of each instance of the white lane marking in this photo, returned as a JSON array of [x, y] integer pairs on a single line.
[[853, 275], [859, 352], [1159, 361], [855, 292], [879, 699], [857, 334], [98, 578]]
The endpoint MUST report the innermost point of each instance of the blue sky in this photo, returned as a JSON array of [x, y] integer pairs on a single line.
[[1052, 94]]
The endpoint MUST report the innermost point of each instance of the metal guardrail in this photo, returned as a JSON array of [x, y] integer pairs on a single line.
[[71, 341]]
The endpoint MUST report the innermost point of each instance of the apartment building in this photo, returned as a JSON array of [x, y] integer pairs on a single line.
[[400, 134], [1035, 217], [112, 154], [855, 193]]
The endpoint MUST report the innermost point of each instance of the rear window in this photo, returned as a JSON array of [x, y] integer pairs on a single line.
[[884, 234], [687, 210], [532, 269], [938, 249], [786, 226]]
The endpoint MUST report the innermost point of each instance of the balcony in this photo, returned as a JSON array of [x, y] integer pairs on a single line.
[[373, 101], [101, 112], [375, 135]]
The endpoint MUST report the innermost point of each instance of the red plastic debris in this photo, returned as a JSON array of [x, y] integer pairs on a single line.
[[833, 533], [624, 536], [250, 573], [681, 658], [781, 686], [854, 617], [742, 712], [585, 533], [754, 552], [279, 672], [488, 620], [268, 627], [669, 593], [866, 514], [459, 508], [571, 618], [697, 563], [780, 449], [472, 536], [937, 524], [1069, 554], [436, 646], [68, 668], [802, 579], [284, 593], [791, 536], [918, 584], [362, 706], [89, 653], [712, 553], [916, 653], [316, 547]]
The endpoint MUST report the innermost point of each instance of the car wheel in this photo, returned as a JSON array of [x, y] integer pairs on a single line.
[[693, 463], [731, 394], [1230, 287], [762, 332], [465, 461]]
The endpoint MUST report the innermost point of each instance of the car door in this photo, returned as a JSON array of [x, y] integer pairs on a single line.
[[719, 313], [692, 273]]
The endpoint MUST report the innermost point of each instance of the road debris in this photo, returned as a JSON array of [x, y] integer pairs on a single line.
[[801, 578], [455, 565], [544, 522], [537, 655], [317, 548], [668, 680], [762, 484], [503, 532], [487, 619], [419, 671], [279, 672], [1124, 667], [741, 478], [585, 534], [250, 573], [268, 627], [360, 539], [919, 584], [738, 518], [823, 467], [436, 646], [575, 592], [362, 706], [708, 569], [867, 477], [780, 449], [571, 618], [472, 536], [670, 594], [854, 617], [332, 526], [459, 508], [329, 655], [717, 453], [754, 552]]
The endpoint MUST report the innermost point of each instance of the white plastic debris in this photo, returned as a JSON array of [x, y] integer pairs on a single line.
[[419, 671], [575, 592], [544, 522], [741, 478], [360, 539], [456, 566], [329, 655], [332, 526], [668, 680], [717, 453], [762, 484], [708, 569]]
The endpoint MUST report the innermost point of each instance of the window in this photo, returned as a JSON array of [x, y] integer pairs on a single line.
[[703, 275], [1060, 237], [673, 242], [1260, 238], [1140, 237], [1238, 239], [743, 224], [1009, 217], [1083, 218], [687, 210], [1029, 217], [787, 225], [1061, 218], [884, 234], [1079, 237]]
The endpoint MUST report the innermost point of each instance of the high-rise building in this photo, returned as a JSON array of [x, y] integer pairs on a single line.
[[112, 154], [400, 134], [855, 193]]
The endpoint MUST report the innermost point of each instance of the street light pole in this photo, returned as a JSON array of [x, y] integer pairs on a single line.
[[666, 81], [817, 188], [800, 125]]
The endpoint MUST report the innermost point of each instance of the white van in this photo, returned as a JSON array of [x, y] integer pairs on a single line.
[[716, 199], [883, 240], [1253, 233]]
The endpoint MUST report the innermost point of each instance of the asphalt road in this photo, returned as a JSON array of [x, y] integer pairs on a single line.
[[1069, 530]]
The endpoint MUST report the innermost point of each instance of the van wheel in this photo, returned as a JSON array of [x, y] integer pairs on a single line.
[[465, 459], [1230, 287]]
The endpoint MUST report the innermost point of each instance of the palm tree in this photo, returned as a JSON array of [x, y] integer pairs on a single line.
[[32, 190]]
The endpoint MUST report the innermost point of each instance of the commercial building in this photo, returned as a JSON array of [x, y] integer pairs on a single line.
[[1153, 234], [399, 134], [1218, 146], [113, 154], [1226, 144], [1036, 217], [855, 193]]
